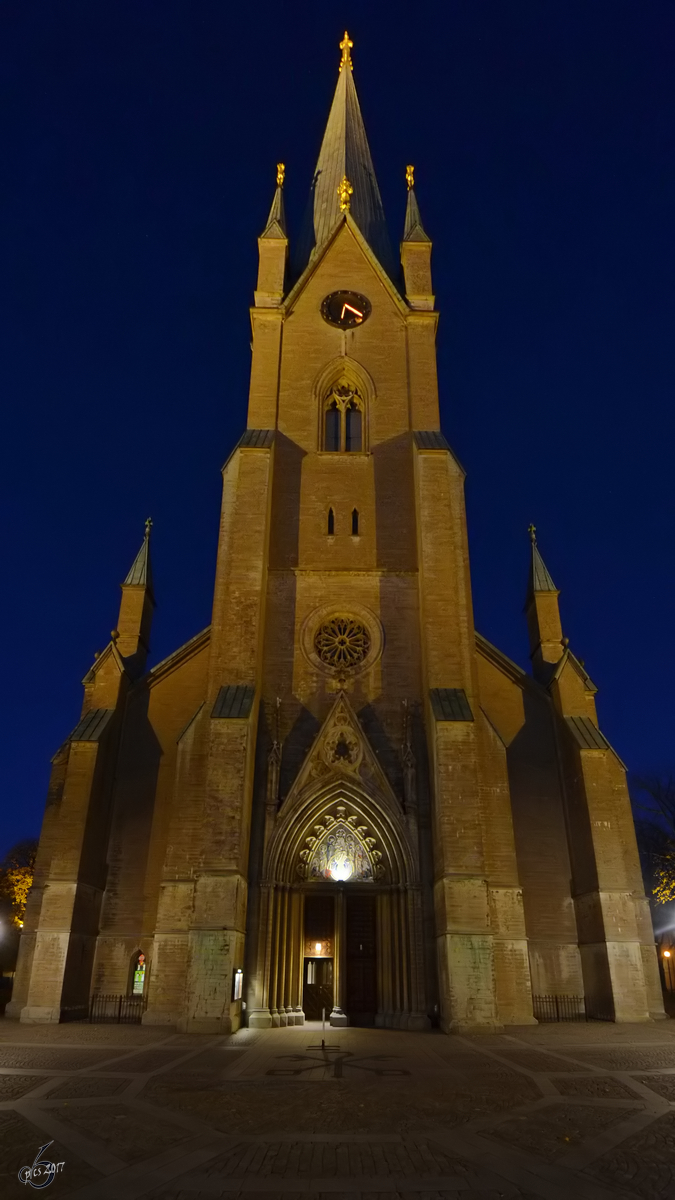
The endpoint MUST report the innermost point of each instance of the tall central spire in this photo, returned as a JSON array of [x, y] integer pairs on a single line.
[[345, 155]]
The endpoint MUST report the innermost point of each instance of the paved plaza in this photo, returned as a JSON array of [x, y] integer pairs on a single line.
[[558, 1111]]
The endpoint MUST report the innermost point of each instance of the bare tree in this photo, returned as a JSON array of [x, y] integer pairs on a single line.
[[655, 797]]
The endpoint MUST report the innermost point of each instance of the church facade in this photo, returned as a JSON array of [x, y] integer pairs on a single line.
[[339, 796]]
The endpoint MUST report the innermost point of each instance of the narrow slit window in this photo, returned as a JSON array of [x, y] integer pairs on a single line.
[[332, 430], [355, 522], [353, 431], [331, 522]]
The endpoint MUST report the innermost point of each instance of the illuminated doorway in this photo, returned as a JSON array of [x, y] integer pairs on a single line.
[[317, 992], [318, 978]]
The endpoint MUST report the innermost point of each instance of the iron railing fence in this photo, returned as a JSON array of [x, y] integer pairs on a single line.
[[594, 1013], [116, 1010], [559, 1008]]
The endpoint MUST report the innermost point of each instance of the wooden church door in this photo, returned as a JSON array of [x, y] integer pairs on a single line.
[[361, 959]]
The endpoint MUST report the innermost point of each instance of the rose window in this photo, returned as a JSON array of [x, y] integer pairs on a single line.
[[342, 642]]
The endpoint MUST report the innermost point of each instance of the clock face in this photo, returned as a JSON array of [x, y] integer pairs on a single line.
[[345, 309]]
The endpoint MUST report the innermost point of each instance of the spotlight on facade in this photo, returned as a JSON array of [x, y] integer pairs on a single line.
[[666, 953], [317, 947], [341, 869]]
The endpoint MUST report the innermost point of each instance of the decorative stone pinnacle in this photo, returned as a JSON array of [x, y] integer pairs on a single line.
[[532, 530], [148, 527], [345, 191], [410, 176], [281, 172], [346, 47]]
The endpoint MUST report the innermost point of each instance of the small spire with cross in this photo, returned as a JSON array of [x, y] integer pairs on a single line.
[[281, 174], [346, 47], [345, 191], [131, 635], [410, 176], [540, 579]]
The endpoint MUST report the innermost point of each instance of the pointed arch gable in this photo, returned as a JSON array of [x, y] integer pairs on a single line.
[[344, 370], [341, 771], [325, 760], [345, 226], [382, 832]]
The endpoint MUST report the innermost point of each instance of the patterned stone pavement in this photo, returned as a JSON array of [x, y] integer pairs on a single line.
[[583, 1111]]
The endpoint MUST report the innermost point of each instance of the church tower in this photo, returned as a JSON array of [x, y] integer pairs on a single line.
[[340, 796]]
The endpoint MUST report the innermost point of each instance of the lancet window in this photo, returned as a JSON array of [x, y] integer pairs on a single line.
[[343, 421]]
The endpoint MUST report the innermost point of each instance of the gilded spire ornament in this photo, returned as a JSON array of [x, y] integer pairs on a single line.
[[346, 47], [410, 176], [148, 527], [345, 191], [532, 530], [281, 174]]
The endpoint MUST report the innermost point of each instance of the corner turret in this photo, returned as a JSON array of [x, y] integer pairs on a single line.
[[543, 616], [416, 252], [273, 251], [132, 636]]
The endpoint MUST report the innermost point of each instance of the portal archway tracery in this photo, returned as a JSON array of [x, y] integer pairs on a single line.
[[380, 832], [338, 839], [340, 851]]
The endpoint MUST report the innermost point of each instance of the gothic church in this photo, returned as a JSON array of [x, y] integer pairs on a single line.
[[339, 796]]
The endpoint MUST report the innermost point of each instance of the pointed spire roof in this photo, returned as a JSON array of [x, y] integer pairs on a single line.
[[540, 579], [413, 230], [276, 222], [345, 156], [140, 572]]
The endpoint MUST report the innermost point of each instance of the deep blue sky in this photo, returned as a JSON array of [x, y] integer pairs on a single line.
[[139, 149]]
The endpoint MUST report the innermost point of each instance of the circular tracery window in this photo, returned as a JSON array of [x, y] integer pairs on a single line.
[[342, 642]]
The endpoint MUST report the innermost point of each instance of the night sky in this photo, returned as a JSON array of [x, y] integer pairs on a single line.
[[139, 149]]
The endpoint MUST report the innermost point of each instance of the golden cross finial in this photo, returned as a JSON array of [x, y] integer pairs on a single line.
[[410, 176], [344, 191], [346, 46], [148, 527], [281, 172], [532, 530]]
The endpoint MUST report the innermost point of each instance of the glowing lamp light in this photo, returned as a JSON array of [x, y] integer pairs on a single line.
[[317, 947], [666, 953], [341, 869]]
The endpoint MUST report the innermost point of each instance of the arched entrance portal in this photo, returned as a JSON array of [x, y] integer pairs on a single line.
[[338, 913]]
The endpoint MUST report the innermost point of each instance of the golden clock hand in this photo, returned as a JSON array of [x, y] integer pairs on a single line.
[[349, 308]]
